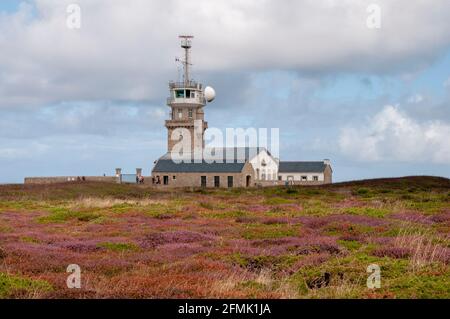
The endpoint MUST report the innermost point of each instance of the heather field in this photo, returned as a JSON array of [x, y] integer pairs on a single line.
[[301, 242]]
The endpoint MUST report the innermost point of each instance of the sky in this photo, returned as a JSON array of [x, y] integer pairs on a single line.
[[83, 101]]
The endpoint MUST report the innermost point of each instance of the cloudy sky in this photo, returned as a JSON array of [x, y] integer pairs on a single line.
[[376, 101]]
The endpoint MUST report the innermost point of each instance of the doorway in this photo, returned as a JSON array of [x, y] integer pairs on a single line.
[[203, 181], [248, 180], [216, 181]]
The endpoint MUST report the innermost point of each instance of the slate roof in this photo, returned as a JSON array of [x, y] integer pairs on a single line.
[[301, 167], [169, 166]]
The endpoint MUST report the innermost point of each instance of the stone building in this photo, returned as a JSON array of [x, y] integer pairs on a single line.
[[237, 174]]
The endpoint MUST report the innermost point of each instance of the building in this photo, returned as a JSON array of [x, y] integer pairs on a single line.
[[169, 173], [250, 166], [305, 173]]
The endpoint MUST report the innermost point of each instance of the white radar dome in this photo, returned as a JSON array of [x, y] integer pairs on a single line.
[[210, 94]]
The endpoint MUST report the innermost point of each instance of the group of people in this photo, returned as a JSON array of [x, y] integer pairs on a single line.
[[79, 179], [139, 179]]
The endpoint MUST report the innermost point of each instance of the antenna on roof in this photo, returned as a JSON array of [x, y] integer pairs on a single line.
[[186, 45]]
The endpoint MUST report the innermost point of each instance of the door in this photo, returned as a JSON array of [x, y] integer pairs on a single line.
[[230, 181], [248, 181], [290, 180], [203, 181], [216, 181]]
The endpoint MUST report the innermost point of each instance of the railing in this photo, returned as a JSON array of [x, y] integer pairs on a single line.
[[185, 123], [196, 100], [182, 85]]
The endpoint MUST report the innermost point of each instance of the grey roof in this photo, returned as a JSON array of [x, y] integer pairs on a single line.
[[169, 166], [301, 167], [240, 154]]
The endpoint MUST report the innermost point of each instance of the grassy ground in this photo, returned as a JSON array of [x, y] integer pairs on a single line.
[[305, 242]]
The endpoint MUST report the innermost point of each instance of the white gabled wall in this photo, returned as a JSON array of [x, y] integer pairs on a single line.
[[298, 176], [269, 171]]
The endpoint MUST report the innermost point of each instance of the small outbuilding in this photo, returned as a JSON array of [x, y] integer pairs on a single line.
[[301, 172]]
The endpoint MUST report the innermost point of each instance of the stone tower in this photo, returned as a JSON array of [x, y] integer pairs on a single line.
[[186, 102]]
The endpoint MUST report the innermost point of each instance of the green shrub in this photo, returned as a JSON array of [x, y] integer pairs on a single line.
[[120, 247], [60, 215], [277, 201], [206, 205], [362, 191], [11, 286], [350, 244], [367, 211]]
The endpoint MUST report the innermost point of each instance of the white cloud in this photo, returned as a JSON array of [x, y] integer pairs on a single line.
[[125, 50], [416, 98], [17, 151], [393, 135]]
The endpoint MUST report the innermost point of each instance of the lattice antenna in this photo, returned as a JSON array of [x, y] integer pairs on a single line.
[[186, 45]]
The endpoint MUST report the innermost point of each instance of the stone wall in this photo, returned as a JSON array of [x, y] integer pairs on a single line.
[[68, 179], [283, 183], [328, 175]]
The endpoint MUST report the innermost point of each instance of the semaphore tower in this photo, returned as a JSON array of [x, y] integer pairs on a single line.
[[186, 101]]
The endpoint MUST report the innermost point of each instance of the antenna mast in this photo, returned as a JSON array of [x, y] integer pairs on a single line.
[[186, 45]]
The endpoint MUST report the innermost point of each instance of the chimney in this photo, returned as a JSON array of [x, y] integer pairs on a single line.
[[139, 171], [118, 172], [327, 162]]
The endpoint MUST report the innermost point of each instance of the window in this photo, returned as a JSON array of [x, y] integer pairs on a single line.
[[230, 181], [315, 178], [304, 178], [279, 177], [192, 95], [188, 93], [190, 113], [179, 94], [166, 180], [216, 181], [174, 177], [203, 181], [180, 113]]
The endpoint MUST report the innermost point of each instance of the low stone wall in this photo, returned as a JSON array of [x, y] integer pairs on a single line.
[[69, 179], [283, 183]]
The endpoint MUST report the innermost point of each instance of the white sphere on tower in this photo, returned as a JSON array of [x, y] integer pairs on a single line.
[[210, 94]]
